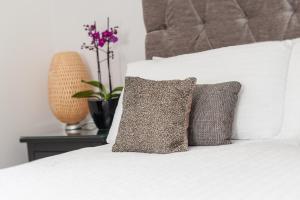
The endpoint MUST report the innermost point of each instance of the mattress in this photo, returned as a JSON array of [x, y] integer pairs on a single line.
[[248, 170]]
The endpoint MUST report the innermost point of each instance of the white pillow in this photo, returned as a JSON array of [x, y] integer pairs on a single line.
[[260, 67], [157, 58], [114, 129], [291, 120]]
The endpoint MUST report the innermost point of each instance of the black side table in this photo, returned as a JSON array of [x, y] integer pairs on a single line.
[[45, 146]]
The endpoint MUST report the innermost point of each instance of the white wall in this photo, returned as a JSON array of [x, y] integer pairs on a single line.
[[25, 50], [69, 17], [31, 31]]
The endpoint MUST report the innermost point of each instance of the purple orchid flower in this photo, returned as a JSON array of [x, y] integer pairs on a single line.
[[106, 34], [96, 36], [113, 39], [92, 27], [101, 40]]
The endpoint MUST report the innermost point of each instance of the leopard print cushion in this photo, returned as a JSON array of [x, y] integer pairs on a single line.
[[155, 116]]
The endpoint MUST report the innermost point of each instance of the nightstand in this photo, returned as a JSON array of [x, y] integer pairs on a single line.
[[45, 146]]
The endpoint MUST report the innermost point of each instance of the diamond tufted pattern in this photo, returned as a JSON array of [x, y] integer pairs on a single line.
[[177, 27]]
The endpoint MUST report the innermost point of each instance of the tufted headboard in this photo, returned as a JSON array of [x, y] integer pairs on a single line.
[[184, 26]]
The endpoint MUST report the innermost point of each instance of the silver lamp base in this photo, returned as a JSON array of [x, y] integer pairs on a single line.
[[73, 129]]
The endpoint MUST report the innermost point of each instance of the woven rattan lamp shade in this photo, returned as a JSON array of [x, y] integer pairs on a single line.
[[65, 75]]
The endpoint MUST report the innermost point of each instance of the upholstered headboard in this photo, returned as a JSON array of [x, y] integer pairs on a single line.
[[183, 26]]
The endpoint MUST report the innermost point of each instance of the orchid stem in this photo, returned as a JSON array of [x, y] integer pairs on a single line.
[[108, 59]]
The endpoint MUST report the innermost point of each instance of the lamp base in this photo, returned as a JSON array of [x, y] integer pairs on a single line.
[[73, 129]]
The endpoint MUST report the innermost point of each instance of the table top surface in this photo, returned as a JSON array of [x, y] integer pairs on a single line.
[[79, 135]]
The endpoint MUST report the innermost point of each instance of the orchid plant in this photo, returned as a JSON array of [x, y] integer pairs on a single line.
[[101, 42]]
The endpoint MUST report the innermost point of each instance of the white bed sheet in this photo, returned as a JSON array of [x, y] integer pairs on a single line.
[[245, 170]]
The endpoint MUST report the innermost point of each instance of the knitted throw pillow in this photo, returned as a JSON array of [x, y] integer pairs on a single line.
[[212, 113]]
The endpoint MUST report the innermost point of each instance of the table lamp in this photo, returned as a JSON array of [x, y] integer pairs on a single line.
[[65, 75]]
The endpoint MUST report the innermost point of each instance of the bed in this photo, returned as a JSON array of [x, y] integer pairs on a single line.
[[243, 170], [251, 168]]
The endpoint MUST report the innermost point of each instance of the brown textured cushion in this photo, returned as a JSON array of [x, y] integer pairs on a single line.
[[155, 116], [177, 27], [213, 113]]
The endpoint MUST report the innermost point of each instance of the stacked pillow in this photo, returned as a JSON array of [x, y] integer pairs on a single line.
[[262, 69], [291, 118], [157, 115]]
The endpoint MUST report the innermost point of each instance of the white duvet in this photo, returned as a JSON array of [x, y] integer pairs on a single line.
[[245, 170]]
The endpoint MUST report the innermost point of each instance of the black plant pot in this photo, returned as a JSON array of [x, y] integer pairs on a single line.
[[103, 112]]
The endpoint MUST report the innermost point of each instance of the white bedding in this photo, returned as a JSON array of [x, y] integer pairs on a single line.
[[261, 68], [245, 170]]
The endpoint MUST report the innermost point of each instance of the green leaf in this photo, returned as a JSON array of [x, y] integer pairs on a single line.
[[114, 96], [85, 94], [104, 90], [101, 94], [117, 90], [92, 83], [107, 97]]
